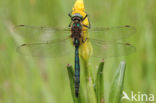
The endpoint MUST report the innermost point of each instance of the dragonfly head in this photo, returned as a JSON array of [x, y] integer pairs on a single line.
[[77, 17]]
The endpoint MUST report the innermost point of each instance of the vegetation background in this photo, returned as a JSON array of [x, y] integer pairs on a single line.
[[32, 80]]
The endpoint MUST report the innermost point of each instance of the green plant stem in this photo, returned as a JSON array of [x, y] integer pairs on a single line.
[[89, 83], [81, 97], [99, 87], [71, 79]]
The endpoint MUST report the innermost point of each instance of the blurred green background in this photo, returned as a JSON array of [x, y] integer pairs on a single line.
[[38, 80]]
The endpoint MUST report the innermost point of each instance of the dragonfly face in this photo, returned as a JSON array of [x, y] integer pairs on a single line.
[[76, 16]]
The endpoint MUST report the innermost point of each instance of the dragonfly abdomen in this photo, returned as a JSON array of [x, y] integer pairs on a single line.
[[77, 68]]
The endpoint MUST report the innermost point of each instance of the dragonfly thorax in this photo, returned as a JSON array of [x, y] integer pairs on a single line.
[[76, 30]]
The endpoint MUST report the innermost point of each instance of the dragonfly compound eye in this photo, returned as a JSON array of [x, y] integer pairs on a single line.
[[78, 25]]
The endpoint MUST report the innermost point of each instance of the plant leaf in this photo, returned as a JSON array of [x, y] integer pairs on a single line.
[[117, 85], [71, 79], [81, 97], [99, 83]]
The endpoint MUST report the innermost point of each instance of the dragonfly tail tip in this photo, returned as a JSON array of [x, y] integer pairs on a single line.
[[77, 94]]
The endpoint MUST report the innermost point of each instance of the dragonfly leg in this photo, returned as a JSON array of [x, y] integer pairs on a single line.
[[84, 40], [69, 24], [69, 14], [85, 17], [89, 26]]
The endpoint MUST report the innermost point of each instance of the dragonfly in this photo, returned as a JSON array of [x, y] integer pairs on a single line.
[[58, 42]]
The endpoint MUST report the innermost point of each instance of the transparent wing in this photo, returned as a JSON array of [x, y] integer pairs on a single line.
[[103, 49], [52, 49], [112, 33], [36, 34]]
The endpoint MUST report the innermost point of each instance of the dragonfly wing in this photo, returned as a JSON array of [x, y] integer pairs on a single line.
[[112, 33], [103, 49], [41, 34], [52, 49]]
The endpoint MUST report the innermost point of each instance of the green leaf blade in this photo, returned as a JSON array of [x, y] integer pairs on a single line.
[[117, 85], [99, 83]]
